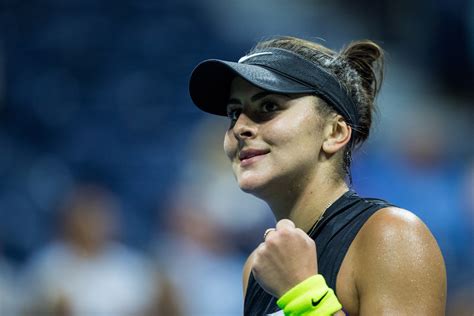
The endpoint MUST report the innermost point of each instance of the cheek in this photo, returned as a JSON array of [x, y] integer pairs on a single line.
[[230, 145], [302, 129], [296, 142]]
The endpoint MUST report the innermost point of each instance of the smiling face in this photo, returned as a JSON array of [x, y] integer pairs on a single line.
[[274, 140]]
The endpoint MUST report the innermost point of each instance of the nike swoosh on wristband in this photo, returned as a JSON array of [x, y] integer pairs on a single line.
[[279, 313], [315, 303]]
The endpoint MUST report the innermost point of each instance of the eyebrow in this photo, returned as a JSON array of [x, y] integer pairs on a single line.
[[256, 97]]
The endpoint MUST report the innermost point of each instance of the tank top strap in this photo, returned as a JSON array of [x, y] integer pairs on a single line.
[[336, 231]]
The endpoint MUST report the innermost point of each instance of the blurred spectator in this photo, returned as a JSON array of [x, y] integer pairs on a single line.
[[202, 263], [461, 302], [86, 272], [9, 295]]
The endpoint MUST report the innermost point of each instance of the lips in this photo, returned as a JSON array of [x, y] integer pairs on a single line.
[[250, 153]]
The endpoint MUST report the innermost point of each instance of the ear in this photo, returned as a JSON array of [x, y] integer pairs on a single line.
[[337, 134]]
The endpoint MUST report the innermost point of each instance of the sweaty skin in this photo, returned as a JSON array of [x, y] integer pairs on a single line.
[[393, 267], [285, 153]]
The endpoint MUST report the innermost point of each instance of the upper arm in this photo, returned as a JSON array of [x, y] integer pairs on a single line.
[[399, 267], [246, 272]]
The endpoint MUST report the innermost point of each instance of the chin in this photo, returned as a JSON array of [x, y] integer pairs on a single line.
[[254, 181], [253, 186], [248, 187]]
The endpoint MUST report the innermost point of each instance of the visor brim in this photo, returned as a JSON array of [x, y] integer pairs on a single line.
[[210, 81]]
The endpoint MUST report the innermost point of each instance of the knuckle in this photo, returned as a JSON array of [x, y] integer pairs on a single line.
[[285, 223], [255, 269], [260, 250], [257, 262], [272, 242], [301, 232], [284, 232]]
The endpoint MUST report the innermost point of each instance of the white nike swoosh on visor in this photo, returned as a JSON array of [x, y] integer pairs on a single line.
[[241, 60]]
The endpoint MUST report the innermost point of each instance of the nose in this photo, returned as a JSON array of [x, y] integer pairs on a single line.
[[244, 127]]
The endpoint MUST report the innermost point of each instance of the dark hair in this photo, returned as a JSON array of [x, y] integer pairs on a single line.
[[359, 69]]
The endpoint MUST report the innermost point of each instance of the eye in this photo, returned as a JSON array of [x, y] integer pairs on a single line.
[[233, 114], [269, 106]]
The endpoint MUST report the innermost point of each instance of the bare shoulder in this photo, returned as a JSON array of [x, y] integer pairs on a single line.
[[399, 265], [392, 226], [246, 271]]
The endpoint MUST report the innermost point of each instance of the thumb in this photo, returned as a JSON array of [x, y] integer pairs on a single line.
[[285, 223]]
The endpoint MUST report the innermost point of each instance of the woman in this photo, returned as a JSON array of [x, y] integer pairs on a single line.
[[297, 110]]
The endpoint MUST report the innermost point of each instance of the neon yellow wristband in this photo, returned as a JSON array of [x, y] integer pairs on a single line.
[[310, 298]]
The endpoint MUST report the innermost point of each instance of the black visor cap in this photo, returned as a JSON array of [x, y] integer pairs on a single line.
[[210, 82]]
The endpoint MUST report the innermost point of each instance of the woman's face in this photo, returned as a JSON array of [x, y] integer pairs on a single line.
[[274, 140]]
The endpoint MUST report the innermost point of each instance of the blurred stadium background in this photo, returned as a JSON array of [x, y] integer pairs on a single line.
[[116, 198]]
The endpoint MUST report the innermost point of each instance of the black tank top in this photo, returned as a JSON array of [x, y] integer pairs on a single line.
[[333, 235]]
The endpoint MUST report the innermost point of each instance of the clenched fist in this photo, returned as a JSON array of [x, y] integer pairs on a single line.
[[286, 258]]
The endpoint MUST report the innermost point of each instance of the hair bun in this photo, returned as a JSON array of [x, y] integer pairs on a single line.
[[367, 59]]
